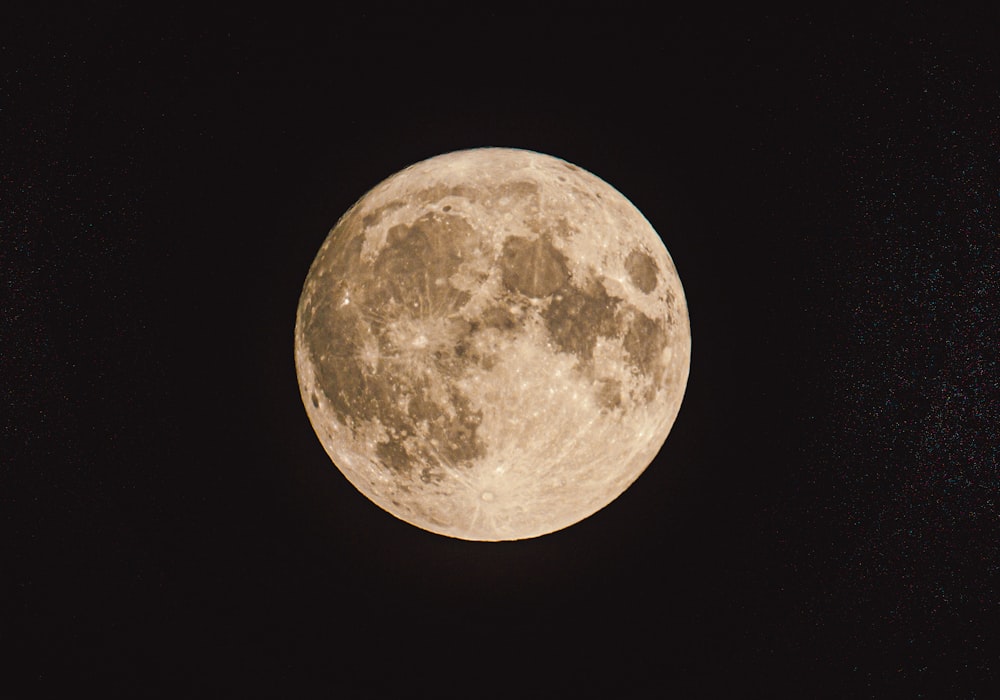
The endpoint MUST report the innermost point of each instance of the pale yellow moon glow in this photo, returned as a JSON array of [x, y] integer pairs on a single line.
[[492, 344]]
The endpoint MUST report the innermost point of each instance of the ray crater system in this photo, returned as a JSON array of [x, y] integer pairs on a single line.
[[492, 344]]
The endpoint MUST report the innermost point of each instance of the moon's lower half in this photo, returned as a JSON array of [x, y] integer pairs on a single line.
[[492, 344]]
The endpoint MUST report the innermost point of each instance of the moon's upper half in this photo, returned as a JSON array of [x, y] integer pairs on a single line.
[[492, 344]]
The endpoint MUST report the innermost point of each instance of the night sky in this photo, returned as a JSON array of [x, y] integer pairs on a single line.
[[823, 519]]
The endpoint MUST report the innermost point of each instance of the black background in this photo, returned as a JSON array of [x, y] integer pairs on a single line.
[[822, 521]]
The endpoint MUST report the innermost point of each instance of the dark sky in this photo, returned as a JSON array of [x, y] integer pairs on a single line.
[[822, 521]]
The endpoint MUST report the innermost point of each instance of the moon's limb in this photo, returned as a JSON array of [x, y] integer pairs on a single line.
[[492, 344]]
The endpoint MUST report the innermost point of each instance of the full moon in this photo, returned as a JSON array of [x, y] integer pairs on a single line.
[[492, 344]]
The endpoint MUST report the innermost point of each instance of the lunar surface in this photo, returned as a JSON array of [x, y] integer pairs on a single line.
[[492, 344]]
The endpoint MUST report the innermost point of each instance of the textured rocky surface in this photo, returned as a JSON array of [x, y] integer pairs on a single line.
[[492, 344]]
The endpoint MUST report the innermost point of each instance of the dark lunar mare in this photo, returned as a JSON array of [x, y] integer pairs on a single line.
[[368, 378], [407, 280], [577, 314]]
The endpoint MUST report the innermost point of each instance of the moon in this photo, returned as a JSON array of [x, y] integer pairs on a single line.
[[492, 344]]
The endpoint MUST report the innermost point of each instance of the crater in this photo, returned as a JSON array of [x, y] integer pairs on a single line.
[[431, 476]]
